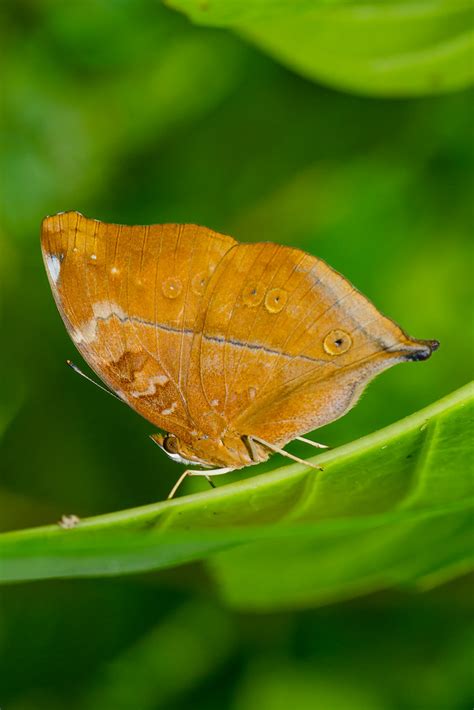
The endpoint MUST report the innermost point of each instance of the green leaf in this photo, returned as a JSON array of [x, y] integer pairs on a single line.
[[398, 48], [393, 508]]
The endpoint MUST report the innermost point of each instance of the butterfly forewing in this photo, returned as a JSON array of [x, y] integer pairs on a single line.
[[130, 299]]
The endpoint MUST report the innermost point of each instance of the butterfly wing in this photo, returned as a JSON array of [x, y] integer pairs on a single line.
[[130, 298], [286, 343]]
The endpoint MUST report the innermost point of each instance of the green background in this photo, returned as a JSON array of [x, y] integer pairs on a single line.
[[129, 113]]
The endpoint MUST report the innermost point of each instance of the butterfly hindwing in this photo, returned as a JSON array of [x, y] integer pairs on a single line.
[[286, 338]]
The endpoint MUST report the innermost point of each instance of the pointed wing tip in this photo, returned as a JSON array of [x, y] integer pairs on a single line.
[[421, 350]]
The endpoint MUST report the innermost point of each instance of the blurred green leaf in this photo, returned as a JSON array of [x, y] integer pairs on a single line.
[[66, 113], [393, 508], [277, 686], [166, 662], [398, 48]]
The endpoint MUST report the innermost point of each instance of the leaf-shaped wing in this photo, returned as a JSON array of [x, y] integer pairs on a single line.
[[287, 343]]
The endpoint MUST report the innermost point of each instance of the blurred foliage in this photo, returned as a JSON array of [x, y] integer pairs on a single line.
[[126, 111], [394, 48]]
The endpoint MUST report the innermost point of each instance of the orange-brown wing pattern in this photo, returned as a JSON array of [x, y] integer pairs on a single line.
[[285, 343], [208, 338], [130, 298]]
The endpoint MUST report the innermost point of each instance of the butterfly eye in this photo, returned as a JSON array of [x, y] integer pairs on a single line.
[[337, 342], [171, 444]]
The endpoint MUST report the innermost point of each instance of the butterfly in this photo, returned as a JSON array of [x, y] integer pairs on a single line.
[[231, 350]]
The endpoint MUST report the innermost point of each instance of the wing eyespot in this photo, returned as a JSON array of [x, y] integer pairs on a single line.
[[275, 300], [199, 283], [253, 294], [337, 342], [172, 287]]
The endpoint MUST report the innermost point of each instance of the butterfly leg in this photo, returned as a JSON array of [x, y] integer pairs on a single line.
[[277, 450], [311, 443], [177, 484], [206, 474], [249, 443]]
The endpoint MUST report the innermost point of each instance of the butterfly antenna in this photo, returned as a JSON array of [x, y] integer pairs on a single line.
[[86, 377]]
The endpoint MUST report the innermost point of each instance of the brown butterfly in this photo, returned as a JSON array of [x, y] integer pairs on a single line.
[[232, 349]]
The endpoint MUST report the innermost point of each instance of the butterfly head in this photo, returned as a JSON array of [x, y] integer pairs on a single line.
[[177, 451], [230, 450]]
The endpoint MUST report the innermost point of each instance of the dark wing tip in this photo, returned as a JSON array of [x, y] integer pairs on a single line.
[[422, 350]]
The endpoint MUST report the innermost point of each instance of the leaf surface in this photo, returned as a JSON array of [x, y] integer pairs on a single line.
[[397, 48], [392, 508]]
